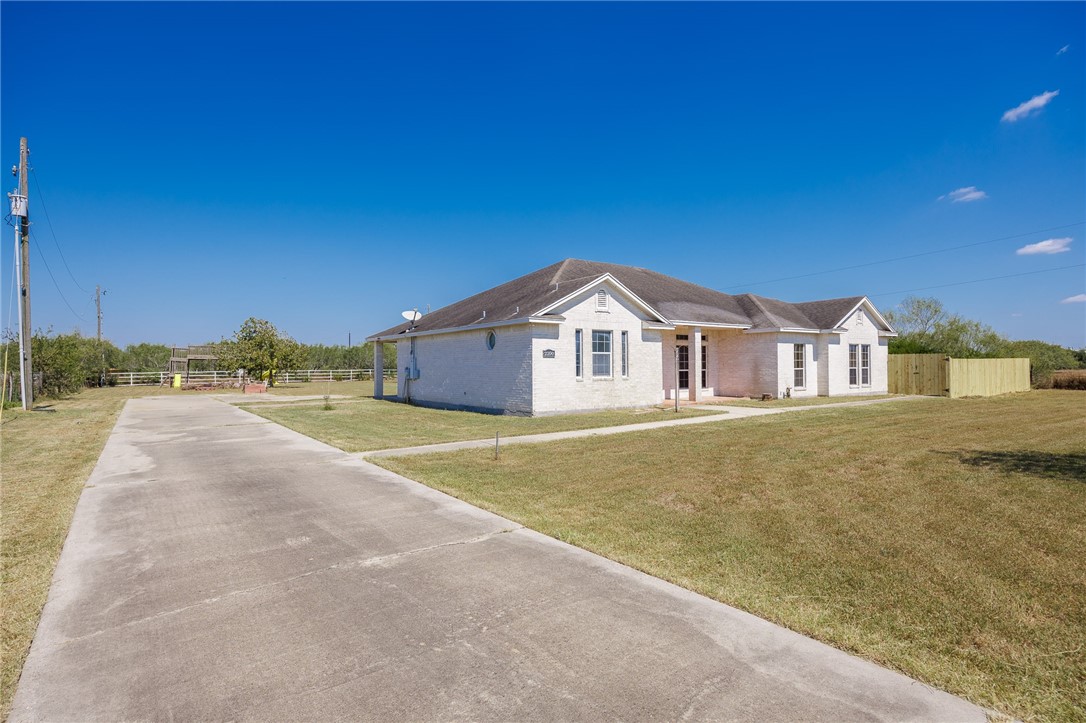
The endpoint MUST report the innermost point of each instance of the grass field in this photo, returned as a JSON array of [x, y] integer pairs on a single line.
[[46, 456], [943, 538], [360, 425]]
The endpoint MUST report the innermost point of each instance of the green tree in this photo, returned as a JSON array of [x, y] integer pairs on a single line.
[[925, 327], [261, 350], [145, 358], [1044, 358]]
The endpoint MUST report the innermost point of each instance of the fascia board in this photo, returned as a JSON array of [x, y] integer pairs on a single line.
[[551, 319], [710, 325], [780, 329], [872, 310]]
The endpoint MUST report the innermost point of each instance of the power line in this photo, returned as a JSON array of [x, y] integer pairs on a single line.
[[55, 284], [48, 220], [910, 256], [977, 281]]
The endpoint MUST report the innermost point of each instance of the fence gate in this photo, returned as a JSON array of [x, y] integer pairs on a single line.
[[925, 374]]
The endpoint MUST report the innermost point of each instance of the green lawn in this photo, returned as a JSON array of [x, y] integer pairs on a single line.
[[360, 424], [943, 538], [800, 401]]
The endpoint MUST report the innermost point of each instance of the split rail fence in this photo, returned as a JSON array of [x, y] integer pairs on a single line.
[[218, 377], [943, 376]]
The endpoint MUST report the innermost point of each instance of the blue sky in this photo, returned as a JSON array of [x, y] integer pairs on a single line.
[[326, 166]]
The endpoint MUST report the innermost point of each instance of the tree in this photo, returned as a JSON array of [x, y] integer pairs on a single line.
[[925, 327], [261, 350], [918, 316], [1044, 358]]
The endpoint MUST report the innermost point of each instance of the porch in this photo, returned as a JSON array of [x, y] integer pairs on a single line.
[[711, 357]]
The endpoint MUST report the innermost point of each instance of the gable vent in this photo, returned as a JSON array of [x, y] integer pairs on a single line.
[[601, 300]]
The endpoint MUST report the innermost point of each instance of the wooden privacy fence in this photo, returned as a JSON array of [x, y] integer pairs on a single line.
[[939, 375]]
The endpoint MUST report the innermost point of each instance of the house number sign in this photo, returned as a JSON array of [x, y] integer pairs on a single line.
[[548, 353]]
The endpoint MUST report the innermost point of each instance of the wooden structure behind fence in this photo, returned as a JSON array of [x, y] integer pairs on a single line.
[[939, 375]]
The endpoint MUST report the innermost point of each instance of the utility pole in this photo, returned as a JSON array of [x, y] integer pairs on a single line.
[[98, 306], [19, 210]]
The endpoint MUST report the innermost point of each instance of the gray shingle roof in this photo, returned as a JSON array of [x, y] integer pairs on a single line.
[[674, 299]]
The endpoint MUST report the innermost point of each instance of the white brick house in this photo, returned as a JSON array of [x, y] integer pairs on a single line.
[[583, 335]]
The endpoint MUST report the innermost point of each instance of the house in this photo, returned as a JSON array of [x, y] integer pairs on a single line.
[[584, 335]]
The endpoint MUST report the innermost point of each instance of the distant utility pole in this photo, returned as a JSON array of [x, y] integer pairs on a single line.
[[98, 306], [19, 210]]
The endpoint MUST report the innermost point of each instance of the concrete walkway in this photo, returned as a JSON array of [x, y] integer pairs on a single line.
[[223, 567], [726, 414]]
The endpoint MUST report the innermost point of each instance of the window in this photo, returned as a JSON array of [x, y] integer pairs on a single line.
[[601, 300], [577, 351], [865, 365], [601, 353], [704, 365], [625, 353], [853, 365], [491, 339], [799, 363]]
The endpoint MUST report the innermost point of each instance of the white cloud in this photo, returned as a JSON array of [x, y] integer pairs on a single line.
[[1017, 315], [1063, 50], [1076, 299], [965, 195], [1035, 103], [1048, 246]]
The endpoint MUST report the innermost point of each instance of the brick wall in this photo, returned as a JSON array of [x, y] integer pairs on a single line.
[[557, 389], [457, 370]]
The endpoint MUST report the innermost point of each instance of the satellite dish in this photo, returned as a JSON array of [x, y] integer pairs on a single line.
[[411, 315]]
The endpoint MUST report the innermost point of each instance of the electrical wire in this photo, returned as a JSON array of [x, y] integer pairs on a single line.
[[41, 197], [909, 256], [55, 284], [977, 281]]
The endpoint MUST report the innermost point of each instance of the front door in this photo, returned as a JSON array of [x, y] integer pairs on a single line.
[[684, 367]]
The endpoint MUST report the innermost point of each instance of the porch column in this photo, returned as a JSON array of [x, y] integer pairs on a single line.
[[695, 365], [378, 370]]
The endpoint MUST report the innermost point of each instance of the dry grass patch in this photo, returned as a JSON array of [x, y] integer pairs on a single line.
[[369, 424], [943, 538]]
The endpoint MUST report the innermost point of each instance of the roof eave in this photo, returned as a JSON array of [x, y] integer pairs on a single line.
[[407, 333]]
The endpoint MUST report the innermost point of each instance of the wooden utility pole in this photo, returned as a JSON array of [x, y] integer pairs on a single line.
[[26, 369]]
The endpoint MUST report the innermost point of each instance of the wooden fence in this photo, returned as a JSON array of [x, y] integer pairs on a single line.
[[938, 375]]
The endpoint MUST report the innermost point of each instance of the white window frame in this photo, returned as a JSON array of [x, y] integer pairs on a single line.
[[799, 352], [865, 365], [854, 365], [609, 336], [578, 356], [625, 354]]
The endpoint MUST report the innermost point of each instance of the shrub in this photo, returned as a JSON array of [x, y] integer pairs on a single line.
[[1069, 379]]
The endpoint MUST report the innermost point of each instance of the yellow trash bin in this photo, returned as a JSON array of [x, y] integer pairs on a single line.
[[176, 381]]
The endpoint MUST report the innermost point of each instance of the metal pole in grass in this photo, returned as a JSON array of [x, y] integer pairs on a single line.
[[497, 449]]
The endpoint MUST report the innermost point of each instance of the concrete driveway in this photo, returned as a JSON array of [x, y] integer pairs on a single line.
[[220, 566]]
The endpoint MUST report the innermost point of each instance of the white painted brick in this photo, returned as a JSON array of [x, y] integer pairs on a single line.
[[556, 387]]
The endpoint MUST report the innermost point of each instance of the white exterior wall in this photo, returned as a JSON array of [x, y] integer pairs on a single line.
[[556, 388], [858, 332], [458, 371], [785, 366]]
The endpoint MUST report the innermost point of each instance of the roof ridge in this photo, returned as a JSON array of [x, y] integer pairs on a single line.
[[558, 273]]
